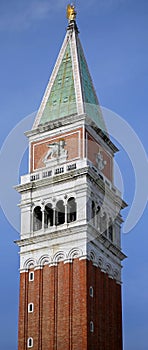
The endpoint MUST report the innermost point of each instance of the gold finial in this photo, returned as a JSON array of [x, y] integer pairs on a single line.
[[71, 13]]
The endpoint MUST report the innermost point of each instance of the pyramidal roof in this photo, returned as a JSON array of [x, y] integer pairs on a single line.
[[70, 90]]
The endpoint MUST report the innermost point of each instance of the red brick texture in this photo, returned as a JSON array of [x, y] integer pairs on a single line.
[[93, 147], [73, 144], [63, 309]]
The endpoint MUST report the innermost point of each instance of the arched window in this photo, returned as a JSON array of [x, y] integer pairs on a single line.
[[104, 224], [98, 216], [30, 343], [93, 213], [31, 276], [110, 230], [60, 213], [71, 210], [91, 291], [37, 219], [48, 218], [91, 327], [30, 307]]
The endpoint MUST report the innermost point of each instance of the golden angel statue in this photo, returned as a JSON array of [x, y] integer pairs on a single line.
[[71, 13]]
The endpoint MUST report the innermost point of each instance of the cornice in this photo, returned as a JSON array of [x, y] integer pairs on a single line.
[[49, 236], [71, 120], [86, 171], [98, 261]]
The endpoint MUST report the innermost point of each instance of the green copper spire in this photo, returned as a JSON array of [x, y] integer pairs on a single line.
[[62, 99], [70, 90], [91, 103]]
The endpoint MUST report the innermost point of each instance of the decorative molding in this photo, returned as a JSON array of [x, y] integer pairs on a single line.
[[75, 253], [44, 260], [29, 263], [92, 256], [100, 262], [59, 256], [67, 257]]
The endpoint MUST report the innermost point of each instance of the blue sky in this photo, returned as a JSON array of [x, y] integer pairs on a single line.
[[114, 35]]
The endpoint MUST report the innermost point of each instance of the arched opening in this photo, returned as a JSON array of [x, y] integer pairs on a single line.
[[93, 211], [110, 230], [48, 218], [104, 224], [98, 212], [60, 213], [71, 210], [30, 343], [37, 219], [91, 327]]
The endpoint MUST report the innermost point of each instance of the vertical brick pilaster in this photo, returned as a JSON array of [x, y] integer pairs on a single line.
[[50, 336], [97, 307], [119, 316], [34, 329], [46, 308], [83, 301], [40, 307], [107, 314], [91, 306], [22, 329], [103, 310], [63, 307], [79, 307], [114, 314]]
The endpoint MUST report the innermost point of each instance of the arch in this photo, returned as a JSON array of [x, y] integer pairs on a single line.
[[91, 326], [115, 273], [110, 229], [29, 264], [92, 256], [60, 213], [71, 210], [91, 291], [37, 218], [48, 215], [98, 215], [44, 260], [59, 256], [75, 253], [30, 342], [100, 262], [93, 212], [31, 276], [108, 269], [30, 307], [104, 224]]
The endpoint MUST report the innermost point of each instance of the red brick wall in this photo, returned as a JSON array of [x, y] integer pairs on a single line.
[[48, 312], [105, 311], [74, 145], [93, 147], [23, 312], [63, 309]]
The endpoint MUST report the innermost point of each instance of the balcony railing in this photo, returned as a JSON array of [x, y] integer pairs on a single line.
[[65, 168], [42, 174]]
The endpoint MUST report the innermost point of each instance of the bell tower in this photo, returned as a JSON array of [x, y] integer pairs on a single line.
[[70, 249]]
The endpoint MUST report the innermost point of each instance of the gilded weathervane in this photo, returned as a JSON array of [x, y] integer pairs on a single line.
[[71, 13]]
